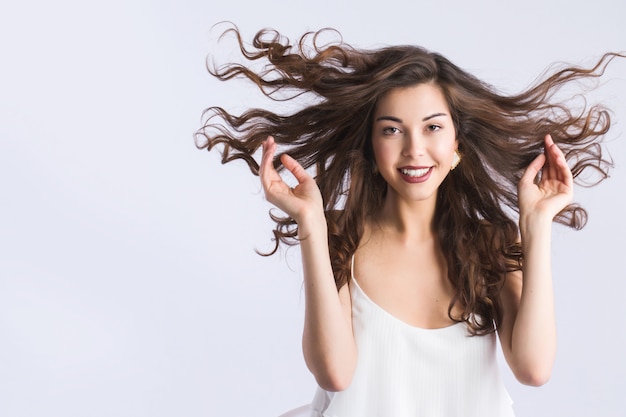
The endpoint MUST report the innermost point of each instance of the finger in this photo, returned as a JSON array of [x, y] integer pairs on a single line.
[[267, 152], [558, 168], [550, 168], [267, 172], [533, 169], [562, 170], [295, 168], [264, 157]]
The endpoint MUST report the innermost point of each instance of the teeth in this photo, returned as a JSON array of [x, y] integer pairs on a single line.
[[415, 172]]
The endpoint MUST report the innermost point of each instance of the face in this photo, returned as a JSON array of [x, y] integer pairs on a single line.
[[414, 140]]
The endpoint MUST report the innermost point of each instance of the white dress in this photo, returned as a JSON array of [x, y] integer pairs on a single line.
[[406, 371]]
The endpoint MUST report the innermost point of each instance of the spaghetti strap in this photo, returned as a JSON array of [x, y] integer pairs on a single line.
[[352, 267]]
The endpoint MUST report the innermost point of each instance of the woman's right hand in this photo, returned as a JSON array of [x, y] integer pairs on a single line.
[[327, 339], [298, 202]]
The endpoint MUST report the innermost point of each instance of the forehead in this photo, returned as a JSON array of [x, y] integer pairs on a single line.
[[415, 100]]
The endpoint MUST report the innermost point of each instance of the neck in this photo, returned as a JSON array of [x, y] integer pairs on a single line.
[[411, 220]]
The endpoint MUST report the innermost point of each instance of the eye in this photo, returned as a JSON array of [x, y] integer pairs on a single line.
[[391, 130], [433, 128]]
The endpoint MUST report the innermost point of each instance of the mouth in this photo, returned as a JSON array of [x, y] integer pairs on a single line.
[[415, 174]]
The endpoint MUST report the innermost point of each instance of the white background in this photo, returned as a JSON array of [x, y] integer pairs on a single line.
[[129, 285]]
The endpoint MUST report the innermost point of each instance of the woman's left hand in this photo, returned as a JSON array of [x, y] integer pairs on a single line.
[[555, 188]]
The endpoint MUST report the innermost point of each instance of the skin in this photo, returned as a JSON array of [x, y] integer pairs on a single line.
[[412, 128]]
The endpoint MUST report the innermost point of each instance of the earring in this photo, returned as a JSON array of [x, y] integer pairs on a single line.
[[456, 160]]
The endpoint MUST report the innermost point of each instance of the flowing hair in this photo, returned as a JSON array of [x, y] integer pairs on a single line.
[[477, 204]]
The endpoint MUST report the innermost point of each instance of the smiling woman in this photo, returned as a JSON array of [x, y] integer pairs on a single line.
[[414, 142], [426, 228]]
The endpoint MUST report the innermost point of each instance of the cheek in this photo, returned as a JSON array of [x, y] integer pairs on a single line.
[[386, 158], [446, 148], [381, 152]]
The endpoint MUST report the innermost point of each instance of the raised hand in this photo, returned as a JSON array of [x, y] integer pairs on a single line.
[[555, 188], [298, 202]]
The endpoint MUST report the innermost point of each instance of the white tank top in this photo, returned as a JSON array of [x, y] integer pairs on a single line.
[[406, 371]]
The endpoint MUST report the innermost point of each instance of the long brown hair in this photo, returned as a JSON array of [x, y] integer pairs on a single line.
[[498, 134]]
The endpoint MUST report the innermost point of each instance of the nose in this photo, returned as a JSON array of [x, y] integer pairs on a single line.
[[413, 145]]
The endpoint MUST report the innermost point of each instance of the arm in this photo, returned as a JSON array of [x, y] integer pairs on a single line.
[[328, 342], [528, 329]]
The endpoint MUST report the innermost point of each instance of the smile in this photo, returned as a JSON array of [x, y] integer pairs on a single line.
[[415, 173]]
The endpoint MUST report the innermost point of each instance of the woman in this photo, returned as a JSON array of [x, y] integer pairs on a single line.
[[425, 226]]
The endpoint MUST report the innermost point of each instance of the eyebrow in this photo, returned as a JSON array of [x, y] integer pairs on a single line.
[[398, 120]]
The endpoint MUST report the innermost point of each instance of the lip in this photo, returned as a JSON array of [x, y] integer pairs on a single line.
[[415, 180]]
